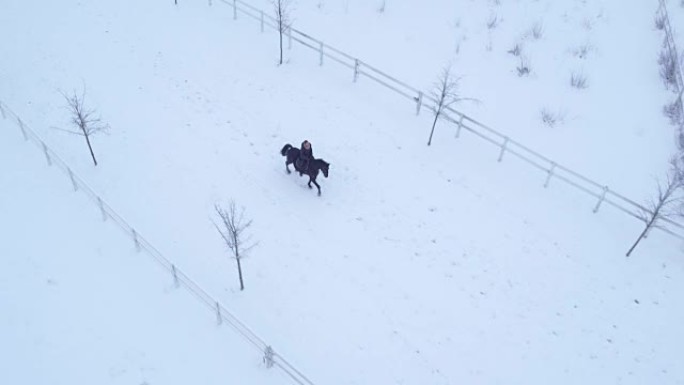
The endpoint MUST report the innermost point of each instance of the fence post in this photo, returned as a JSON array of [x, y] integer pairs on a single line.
[[2, 110], [262, 21], [135, 240], [234, 9], [102, 209], [289, 37], [269, 356], [601, 199], [548, 177], [356, 69], [503, 148], [320, 50], [210, 3], [419, 102], [219, 319], [73, 180], [47, 153], [23, 129], [175, 276], [460, 125]]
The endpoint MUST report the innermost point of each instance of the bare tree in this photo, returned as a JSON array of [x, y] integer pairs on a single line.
[[665, 205], [85, 120], [281, 8], [232, 230], [445, 93]]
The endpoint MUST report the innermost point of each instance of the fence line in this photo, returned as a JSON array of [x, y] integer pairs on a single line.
[[550, 168], [270, 357]]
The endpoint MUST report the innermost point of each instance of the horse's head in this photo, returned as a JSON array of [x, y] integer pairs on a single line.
[[324, 167]]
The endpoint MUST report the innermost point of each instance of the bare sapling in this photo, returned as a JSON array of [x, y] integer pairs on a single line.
[[232, 228], [282, 13], [445, 94], [665, 206], [85, 121]]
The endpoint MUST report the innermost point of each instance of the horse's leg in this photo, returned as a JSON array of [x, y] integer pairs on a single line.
[[287, 167], [310, 180], [317, 186]]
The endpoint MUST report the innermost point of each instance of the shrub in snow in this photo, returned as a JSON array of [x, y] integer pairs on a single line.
[[551, 119], [493, 22], [582, 51], [537, 31], [524, 67], [668, 68], [673, 111], [382, 7], [578, 80], [516, 50]]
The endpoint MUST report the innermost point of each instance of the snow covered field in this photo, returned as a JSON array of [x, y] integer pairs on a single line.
[[417, 265], [80, 306], [612, 45]]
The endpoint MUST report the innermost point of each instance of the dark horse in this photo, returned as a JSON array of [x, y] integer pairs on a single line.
[[315, 165]]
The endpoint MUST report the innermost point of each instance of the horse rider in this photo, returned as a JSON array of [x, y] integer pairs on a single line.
[[305, 156]]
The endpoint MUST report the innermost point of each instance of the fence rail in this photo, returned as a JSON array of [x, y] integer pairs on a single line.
[[506, 145], [180, 279]]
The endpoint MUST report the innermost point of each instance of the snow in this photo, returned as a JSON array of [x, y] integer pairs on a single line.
[[416, 265], [620, 109], [79, 305]]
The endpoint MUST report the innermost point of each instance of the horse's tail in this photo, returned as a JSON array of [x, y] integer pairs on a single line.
[[285, 149]]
